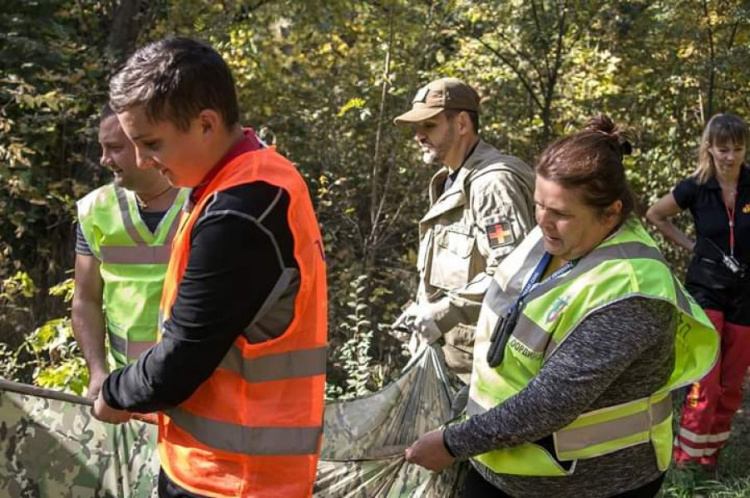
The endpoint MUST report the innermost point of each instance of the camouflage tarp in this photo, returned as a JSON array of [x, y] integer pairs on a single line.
[[53, 448], [365, 438]]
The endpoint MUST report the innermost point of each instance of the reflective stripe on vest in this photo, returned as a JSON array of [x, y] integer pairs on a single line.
[[135, 255], [576, 439], [254, 427], [248, 440], [290, 365], [625, 265], [129, 349], [133, 261], [127, 206], [586, 432]]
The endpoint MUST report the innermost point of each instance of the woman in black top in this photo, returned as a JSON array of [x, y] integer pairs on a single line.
[[718, 197]]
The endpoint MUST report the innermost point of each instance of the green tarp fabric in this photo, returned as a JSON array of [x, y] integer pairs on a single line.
[[52, 448], [365, 438]]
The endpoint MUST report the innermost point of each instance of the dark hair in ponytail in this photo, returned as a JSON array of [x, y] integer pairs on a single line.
[[590, 161]]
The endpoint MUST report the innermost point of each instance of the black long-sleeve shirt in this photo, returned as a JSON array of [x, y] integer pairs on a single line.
[[239, 247]]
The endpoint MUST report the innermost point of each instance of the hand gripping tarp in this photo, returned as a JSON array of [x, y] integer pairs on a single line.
[[365, 438], [51, 446]]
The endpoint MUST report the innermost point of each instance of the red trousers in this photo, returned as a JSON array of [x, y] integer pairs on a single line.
[[711, 403]]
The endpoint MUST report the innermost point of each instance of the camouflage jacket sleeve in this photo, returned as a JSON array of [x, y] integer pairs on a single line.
[[502, 210]]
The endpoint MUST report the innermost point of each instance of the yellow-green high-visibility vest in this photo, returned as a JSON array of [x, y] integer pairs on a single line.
[[627, 264], [133, 262]]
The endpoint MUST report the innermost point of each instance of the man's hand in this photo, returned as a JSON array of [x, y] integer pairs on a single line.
[[417, 320], [102, 411], [404, 323], [96, 379], [424, 323], [429, 452]]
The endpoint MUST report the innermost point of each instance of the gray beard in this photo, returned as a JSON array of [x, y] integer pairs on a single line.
[[429, 157]]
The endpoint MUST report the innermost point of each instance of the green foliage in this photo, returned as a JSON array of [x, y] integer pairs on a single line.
[[64, 289], [52, 81], [57, 361], [50, 352], [687, 484], [731, 479], [19, 285], [16, 297], [9, 362], [355, 103], [323, 81], [352, 359]]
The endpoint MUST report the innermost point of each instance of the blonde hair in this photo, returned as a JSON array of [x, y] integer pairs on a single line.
[[721, 129]]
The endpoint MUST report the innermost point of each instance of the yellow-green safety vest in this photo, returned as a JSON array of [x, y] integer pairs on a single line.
[[627, 264], [133, 262]]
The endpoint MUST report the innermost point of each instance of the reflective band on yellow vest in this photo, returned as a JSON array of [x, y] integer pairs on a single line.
[[139, 255], [133, 261], [627, 264]]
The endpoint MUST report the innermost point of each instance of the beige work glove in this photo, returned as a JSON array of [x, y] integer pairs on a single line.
[[424, 328], [404, 322]]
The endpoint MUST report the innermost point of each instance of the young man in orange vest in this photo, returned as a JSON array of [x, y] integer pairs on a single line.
[[238, 377]]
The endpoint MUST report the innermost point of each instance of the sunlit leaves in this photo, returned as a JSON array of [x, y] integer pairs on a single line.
[[354, 103], [324, 79]]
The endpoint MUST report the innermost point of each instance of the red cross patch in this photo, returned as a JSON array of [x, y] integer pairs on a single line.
[[499, 232]]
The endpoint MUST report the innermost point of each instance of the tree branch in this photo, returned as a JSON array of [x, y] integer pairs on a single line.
[[711, 58], [506, 60], [541, 31], [375, 211]]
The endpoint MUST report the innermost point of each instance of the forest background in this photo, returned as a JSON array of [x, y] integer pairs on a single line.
[[322, 80]]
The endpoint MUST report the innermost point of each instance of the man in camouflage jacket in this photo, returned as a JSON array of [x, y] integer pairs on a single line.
[[481, 207]]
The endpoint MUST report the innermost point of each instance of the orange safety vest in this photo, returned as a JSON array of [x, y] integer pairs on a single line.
[[254, 428]]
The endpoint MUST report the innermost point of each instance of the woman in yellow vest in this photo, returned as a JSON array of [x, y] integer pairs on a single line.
[[581, 339]]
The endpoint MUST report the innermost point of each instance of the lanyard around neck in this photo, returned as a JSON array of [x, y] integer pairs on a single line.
[[536, 277], [505, 325], [730, 216]]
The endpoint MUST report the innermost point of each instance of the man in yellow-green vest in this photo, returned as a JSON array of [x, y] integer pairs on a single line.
[[123, 240]]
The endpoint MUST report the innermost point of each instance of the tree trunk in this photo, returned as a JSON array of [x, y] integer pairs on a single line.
[[126, 24]]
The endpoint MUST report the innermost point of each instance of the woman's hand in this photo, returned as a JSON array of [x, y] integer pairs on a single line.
[[430, 452]]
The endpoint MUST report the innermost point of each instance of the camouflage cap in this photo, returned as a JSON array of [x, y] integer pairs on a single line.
[[437, 96]]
